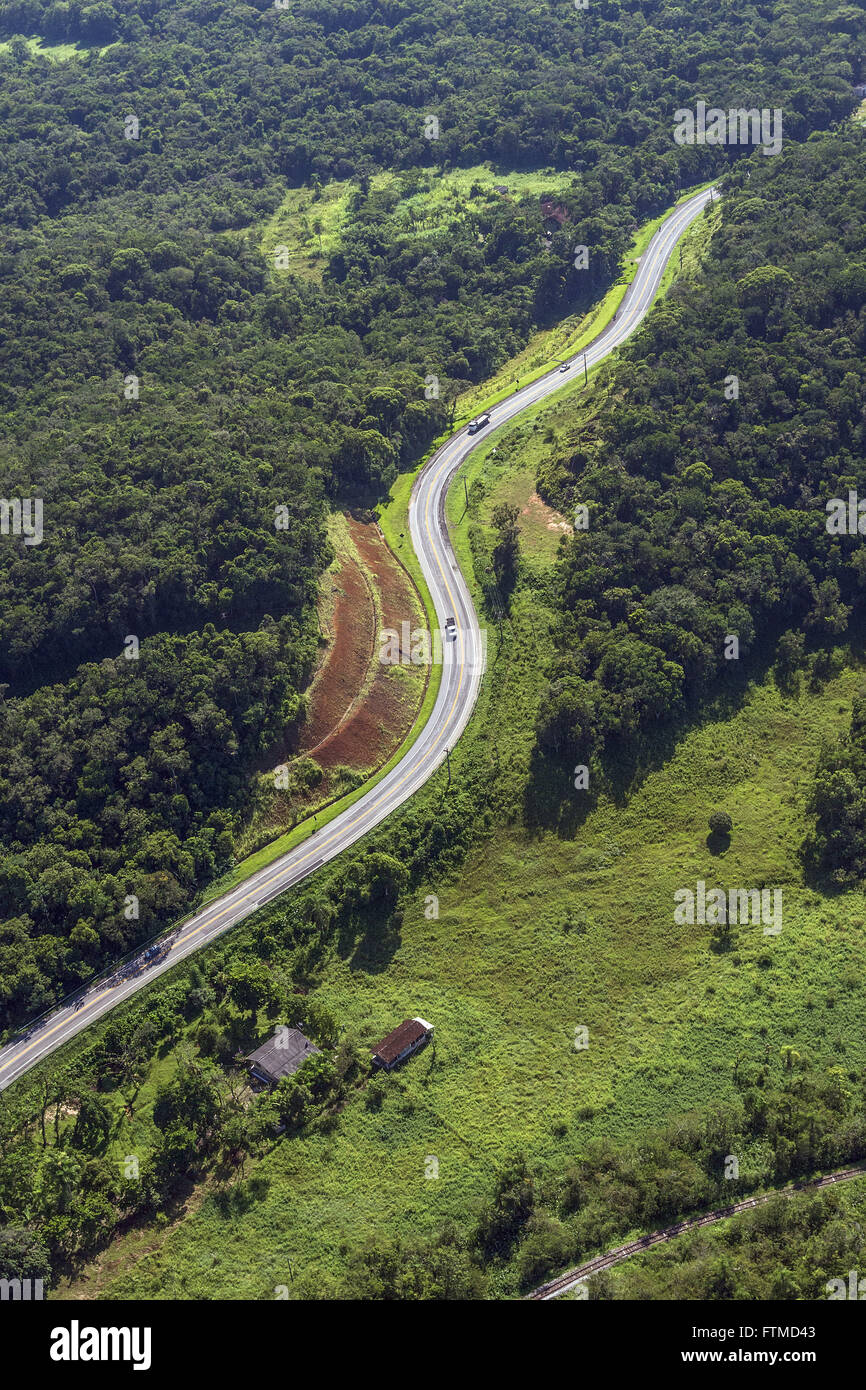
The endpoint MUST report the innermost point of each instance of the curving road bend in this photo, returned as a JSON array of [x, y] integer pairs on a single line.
[[463, 667]]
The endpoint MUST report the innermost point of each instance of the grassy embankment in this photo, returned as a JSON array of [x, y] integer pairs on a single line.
[[326, 814], [505, 467], [571, 334]]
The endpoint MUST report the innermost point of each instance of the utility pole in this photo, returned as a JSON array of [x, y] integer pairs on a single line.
[[585, 372], [465, 492], [448, 760]]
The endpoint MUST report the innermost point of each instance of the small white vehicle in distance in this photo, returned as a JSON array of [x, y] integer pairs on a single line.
[[450, 630], [565, 366]]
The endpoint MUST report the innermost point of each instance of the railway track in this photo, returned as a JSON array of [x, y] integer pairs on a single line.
[[555, 1287]]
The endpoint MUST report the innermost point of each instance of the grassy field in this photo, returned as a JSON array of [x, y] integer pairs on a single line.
[[309, 226]]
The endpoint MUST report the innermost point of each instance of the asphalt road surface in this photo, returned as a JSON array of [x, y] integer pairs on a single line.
[[463, 666]]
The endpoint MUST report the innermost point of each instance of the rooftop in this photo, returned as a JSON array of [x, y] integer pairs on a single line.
[[408, 1032], [282, 1054]]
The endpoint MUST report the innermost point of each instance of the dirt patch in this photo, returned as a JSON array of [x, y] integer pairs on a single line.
[[352, 629], [359, 708], [538, 512], [553, 211], [386, 698]]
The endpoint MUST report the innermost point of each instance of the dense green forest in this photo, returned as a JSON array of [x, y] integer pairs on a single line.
[[740, 413], [834, 851], [232, 98], [169, 393]]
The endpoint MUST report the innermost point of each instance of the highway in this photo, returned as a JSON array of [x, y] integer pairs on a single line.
[[463, 668]]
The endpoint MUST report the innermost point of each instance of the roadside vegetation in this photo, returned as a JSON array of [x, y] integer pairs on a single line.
[[190, 408], [536, 935]]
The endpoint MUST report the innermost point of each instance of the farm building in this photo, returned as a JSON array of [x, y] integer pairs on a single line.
[[411, 1034], [280, 1056]]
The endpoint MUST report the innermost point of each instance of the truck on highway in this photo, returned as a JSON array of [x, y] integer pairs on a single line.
[[479, 423]]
